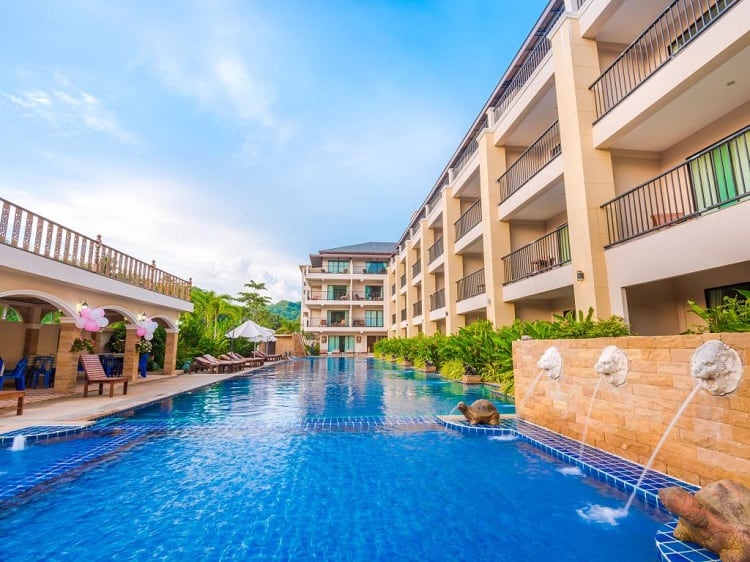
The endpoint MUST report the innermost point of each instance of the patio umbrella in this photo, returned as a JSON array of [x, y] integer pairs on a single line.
[[250, 331]]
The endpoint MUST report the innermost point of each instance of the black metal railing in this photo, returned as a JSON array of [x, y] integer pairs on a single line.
[[402, 281], [715, 178], [579, 4], [393, 289], [416, 268], [417, 308], [681, 22], [436, 250], [364, 296], [548, 252], [467, 221], [470, 286], [393, 318], [437, 299], [370, 270], [403, 315], [545, 149], [436, 198], [323, 323], [532, 62], [463, 159]]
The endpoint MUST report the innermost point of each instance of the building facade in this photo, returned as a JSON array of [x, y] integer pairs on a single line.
[[609, 168], [343, 297]]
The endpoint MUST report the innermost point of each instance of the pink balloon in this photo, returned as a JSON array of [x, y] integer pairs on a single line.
[[140, 332], [91, 326]]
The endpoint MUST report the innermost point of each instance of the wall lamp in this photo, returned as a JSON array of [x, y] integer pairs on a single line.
[[80, 306], [142, 316], [579, 275]]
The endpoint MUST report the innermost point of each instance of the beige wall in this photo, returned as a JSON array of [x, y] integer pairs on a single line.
[[709, 442]]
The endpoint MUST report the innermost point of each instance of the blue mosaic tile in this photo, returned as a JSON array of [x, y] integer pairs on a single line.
[[672, 550], [40, 432]]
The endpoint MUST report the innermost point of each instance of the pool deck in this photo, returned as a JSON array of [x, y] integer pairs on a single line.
[[45, 407]]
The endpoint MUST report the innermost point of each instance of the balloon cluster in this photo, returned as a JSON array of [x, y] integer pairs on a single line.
[[146, 328], [91, 319]]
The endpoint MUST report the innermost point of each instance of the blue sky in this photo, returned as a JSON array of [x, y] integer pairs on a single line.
[[228, 140]]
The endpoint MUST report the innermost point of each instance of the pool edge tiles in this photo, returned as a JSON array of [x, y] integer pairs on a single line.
[[41, 432], [674, 550]]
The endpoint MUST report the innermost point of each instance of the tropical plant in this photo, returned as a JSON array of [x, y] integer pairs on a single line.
[[143, 346], [452, 369], [732, 315], [83, 344]]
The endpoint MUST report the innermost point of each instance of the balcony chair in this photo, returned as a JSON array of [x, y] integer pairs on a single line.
[[18, 374], [94, 372]]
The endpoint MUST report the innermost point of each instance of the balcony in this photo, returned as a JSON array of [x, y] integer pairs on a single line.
[[416, 268], [470, 286], [465, 157], [437, 300], [24, 230], [436, 250], [417, 309], [521, 77], [393, 319], [544, 150], [403, 315], [467, 221], [713, 179], [680, 23], [323, 323], [548, 252], [402, 281]]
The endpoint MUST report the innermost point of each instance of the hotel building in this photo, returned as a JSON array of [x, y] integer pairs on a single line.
[[343, 297], [609, 168]]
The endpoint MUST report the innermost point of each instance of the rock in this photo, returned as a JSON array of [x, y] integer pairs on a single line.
[[481, 411], [716, 517]]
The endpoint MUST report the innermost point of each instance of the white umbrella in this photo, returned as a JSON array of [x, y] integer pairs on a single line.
[[248, 330], [268, 333]]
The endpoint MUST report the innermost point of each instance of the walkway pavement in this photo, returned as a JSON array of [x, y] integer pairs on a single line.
[[44, 407]]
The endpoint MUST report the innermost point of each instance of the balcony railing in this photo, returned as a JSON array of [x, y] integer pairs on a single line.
[[436, 250], [467, 221], [545, 149], [467, 154], [323, 323], [364, 296], [532, 62], [403, 315], [437, 299], [471, 285], [393, 289], [548, 252], [681, 22], [22, 229], [436, 198], [715, 178], [417, 308], [367, 323], [402, 281], [370, 270], [416, 268]]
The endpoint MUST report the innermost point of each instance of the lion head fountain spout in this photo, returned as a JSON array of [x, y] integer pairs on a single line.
[[551, 363], [613, 365], [716, 367]]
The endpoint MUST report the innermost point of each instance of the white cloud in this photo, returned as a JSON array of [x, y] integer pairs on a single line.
[[151, 218], [69, 110]]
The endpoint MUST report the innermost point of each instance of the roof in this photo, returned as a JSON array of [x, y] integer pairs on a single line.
[[364, 248]]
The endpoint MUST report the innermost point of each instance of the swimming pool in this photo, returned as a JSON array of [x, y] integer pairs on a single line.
[[328, 459]]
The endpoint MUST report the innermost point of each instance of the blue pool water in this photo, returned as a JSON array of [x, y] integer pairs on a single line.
[[233, 472]]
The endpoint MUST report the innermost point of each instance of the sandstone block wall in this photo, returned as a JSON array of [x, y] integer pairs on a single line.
[[710, 441]]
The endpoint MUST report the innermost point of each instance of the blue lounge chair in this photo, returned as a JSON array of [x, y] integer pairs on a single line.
[[18, 374]]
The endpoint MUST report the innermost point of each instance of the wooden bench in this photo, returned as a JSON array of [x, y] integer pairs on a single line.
[[10, 394], [95, 374]]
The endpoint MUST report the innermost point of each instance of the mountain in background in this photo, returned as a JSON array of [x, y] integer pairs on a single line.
[[286, 309]]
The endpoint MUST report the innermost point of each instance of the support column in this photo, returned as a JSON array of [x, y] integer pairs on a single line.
[[495, 234], [454, 265], [589, 178], [66, 362], [170, 352], [428, 279], [130, 360]]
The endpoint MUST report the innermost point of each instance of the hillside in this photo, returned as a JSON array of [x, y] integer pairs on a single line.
[[286, 309]]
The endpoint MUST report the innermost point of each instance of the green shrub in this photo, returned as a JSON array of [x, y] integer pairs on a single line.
[[452, 369], [732, 315]]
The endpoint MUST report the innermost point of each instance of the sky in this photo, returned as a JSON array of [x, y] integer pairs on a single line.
[[230, 139]]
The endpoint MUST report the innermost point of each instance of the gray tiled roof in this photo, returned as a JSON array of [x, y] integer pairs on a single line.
[[363, 248]]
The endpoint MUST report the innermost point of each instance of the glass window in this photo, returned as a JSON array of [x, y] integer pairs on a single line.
[[337, 292], [338, 266], [375, 267], [715, 296], [374, 292], [374, 318], [338, 318]]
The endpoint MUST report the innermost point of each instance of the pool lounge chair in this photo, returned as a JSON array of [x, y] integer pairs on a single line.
[[223, 365], [203, 364], [249, 361], [266, 357], [95, 374]]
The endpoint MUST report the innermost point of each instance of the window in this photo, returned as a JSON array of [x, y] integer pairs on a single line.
[[374, 318], [375, 267], [715, 296], [373, 292], [721, 174], [338, 266], [342, 344], [338, 318], [337, 292]]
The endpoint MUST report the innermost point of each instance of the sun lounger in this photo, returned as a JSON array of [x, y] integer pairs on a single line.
[[95, 374], [223, 365], [267, 357], [202, 364], [247, 361]]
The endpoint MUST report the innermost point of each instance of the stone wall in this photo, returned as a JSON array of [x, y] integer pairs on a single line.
[[710, 441]]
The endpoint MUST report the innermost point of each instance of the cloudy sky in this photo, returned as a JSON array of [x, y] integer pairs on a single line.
[[228, 140]]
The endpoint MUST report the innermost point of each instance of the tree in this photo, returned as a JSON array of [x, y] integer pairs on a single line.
[[254, 305]]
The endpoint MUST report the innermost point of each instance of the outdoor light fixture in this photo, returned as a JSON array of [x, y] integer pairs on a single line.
[[142, 316], [579, 275], [80, 306]]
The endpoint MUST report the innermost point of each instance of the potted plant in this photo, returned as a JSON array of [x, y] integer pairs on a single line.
[[83, 344], [470, 375], [143, 347]]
